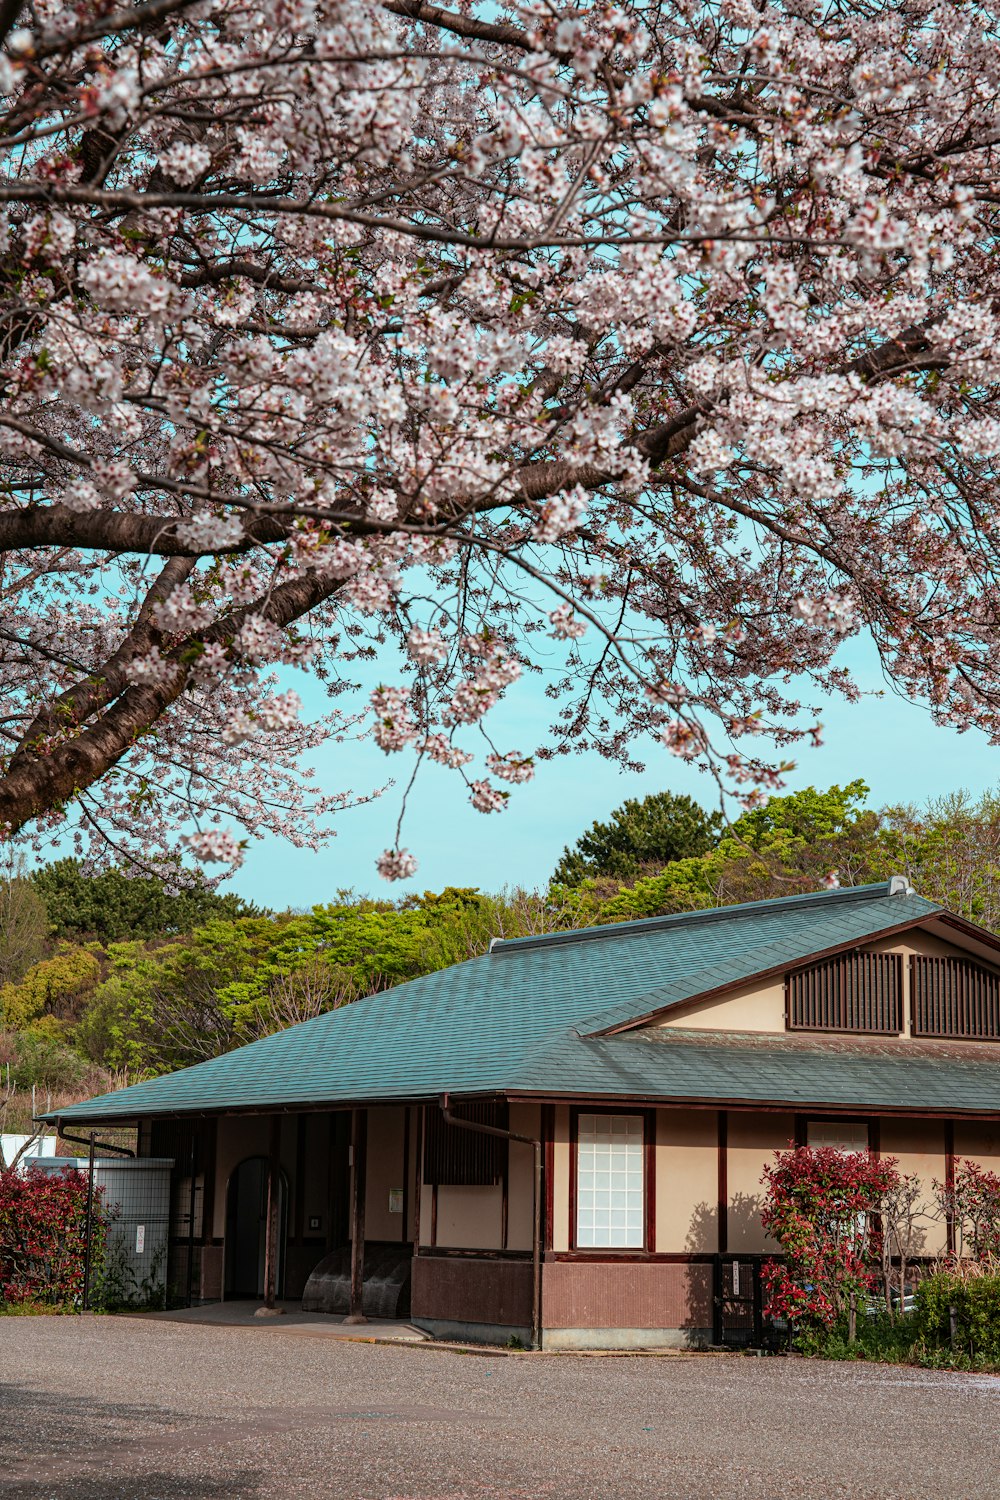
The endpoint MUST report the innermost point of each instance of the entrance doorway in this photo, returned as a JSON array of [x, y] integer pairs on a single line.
[[246, 1230]]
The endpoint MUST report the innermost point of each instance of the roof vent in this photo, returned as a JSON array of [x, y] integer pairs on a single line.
[[900, 886]]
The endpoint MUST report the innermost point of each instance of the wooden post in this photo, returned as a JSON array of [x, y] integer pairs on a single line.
[[359, 1151], [273, 1223], [418, 1179], [90, 1223]]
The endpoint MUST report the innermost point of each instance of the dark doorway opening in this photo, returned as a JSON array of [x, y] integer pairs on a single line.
[[246, 1229]]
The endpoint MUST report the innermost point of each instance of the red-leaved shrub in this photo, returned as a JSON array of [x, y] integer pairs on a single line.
[[821, 1207], [43, 1223]]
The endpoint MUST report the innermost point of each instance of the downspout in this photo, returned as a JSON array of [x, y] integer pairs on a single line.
[[536, 1238], [84, 1140]]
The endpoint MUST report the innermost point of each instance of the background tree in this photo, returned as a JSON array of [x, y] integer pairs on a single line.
[[652, 346], [54, 989], [949, 850], [24, 925], [806, 817], [640, 838], [791, 845], [110, 905]]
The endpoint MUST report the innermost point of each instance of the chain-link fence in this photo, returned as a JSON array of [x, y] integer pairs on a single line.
[[128, 1227]]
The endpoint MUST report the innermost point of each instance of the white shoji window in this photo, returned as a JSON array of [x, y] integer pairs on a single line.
[[844, 1135], [610, 1183]]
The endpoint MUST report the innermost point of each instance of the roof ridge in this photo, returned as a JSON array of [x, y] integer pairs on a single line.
[[880, 890], [718, 972]]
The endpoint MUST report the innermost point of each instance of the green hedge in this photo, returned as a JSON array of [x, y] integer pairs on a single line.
[[976, 1302]]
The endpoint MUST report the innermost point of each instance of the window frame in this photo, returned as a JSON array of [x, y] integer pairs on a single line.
[[614, 1252], [870, 1122]]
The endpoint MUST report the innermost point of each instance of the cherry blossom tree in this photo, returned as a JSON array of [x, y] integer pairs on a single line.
[[652, 347]]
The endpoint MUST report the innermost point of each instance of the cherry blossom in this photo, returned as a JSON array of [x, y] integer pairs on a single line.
[[426, 646], [215, 846], [565, 625], [396, 864], [653, 349], [511, 767], [486, 798]]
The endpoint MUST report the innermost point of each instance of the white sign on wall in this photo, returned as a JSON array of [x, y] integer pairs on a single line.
[[140, 1238], [395, 1200]]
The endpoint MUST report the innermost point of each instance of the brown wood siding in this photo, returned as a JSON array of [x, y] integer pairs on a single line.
[[454, 1157], [654, 1294], [953, 997], [860, 992], [468, 1290]]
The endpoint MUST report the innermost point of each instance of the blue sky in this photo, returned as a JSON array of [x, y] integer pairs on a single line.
[[890, 743]]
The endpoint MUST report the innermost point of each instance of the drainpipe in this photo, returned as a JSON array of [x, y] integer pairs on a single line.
[[536, 1239], [84, 1140]]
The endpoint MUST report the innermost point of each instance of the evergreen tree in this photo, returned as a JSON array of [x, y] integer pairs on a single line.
[[639, 838], [112, 907]]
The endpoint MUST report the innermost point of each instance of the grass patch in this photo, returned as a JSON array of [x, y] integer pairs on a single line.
[[900, 1341], [36, 1310]]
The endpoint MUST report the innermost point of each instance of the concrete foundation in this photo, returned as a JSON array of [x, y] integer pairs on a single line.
[[625, 1338]]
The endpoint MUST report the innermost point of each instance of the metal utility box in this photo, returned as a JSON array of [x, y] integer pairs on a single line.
[[136, 1195]]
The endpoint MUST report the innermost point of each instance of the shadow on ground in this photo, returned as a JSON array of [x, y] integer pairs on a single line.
[[149, 1485], [63, 1447]]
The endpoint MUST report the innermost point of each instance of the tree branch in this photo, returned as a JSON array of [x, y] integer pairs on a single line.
[[40, 783]]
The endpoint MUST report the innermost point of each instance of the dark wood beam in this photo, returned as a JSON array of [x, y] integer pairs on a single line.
[[359, 1157], [272, 1229]]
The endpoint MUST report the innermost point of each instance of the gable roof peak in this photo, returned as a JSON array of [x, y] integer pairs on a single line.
[[896, 885]]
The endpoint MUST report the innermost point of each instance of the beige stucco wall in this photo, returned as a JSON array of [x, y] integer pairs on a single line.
[[760, 1006], [470, 1218], [384, 1172], [754, 1007], [560, 1178], [920, 1148], [687, 1167], [526, 1119], [752, 1140], [978, 1142], [687, 1164]]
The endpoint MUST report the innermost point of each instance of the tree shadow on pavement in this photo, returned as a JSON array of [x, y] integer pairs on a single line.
[[58, 1446], [146, 1485]]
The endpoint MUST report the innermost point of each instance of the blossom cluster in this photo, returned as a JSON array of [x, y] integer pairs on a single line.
[[640, 350]]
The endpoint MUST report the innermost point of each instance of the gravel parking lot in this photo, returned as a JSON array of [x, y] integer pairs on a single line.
[[129, 1409]]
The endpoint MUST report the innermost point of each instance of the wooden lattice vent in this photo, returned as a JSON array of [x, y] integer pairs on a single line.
[[855, 991], [954, 997], [457, 1157]]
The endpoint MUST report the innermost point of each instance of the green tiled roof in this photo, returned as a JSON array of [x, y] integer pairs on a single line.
[[522, 1018], [671, 1066]]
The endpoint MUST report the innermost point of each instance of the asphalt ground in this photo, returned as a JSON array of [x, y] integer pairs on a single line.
[[134, 1409]]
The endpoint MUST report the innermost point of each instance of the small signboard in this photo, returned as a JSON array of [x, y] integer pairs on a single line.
[[395, 1200], [140, 1238]]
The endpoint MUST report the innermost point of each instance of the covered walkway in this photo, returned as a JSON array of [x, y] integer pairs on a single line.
[[288, 1316]]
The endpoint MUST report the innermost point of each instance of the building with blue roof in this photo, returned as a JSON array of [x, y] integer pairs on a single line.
[[563, 1140]]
